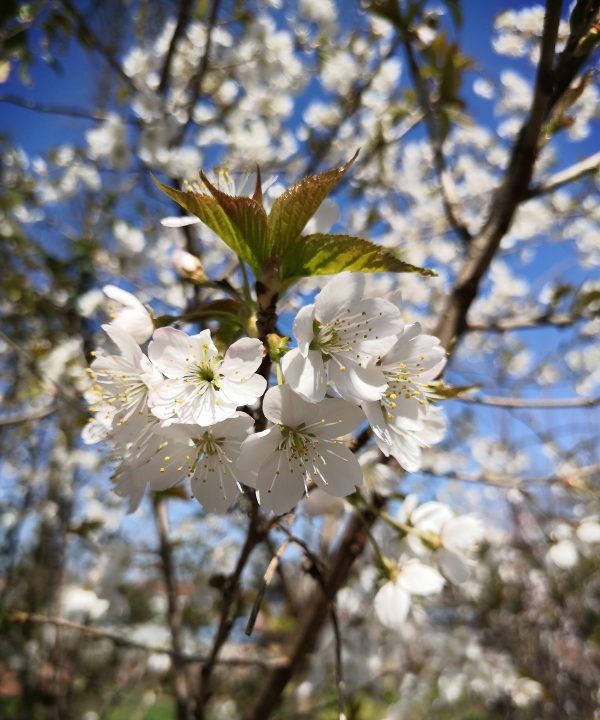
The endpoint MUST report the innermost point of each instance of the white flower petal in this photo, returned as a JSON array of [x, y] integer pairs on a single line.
[[336, 469], [214, 484], [280, 483], [563, 554], [431, 516], [356, 384], [463, 533], [242, 393], [392, 604], [171, 351], [254, 452], [126, 344], [282, 406], [177, 221], [453, 566], [419, 579], [303, 327], [589, 531], [332, 418], [243, 358], [305, 374], [122, 297], [340, 293]]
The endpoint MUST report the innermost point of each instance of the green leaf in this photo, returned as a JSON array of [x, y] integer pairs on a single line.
[[292, 210], [248, 216], [214, 216], [322, 254]]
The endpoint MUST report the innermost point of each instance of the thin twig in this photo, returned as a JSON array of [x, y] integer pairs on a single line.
[[268, 576], [447, 187], [121, 640], [584, 167], [57, 109], [543, 403], [231, 592], [28, 416], [174, 618], [558, 320]]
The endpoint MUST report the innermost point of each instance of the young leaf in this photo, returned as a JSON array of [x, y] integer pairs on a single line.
[[292, 210], [248, 216], [214, 216], [322, 254]]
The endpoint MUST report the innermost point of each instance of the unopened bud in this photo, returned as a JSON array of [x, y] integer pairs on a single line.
[[188, 266], [277, 345], [252, 327]]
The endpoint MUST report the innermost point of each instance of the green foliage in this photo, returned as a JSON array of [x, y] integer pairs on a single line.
[[212, 214], [292, 210], [275, 242], [324, 254]]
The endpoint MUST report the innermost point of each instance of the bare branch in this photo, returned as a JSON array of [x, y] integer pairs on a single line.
[[518, 483], [231, 593], [544, 403], [316, 613], [447, 186], [584, 167], [121, 640], [183, 19], [558, 320], [268, 576], [350, 104], [509, 194], [51, 109], [97, 43], [28, 416], [180, 688]]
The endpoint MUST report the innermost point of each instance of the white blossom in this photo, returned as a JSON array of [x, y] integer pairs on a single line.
[[300, 448], [201, 386], [449, 539], [204, 455], [129, 314], [393, 599], [403, 420], [340, 338]]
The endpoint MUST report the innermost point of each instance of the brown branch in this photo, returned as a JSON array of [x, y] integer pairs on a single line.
[[558, 320], [584, 167], [28, 417], [543, 403], [231, 592], [447, 187], [510, 193], [314, 617], [174, 618], [183, 19], [121, 640], [197, 80], [51, 109], [268, 576]]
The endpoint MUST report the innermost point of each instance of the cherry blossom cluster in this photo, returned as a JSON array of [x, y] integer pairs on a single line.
[[437, 546], [186, 408]]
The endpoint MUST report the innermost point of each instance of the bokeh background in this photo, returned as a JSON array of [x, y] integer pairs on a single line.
[[94, 97]]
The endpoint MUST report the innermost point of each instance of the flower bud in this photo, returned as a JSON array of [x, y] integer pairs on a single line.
[[252, 327], [188, 266], [277, 346]]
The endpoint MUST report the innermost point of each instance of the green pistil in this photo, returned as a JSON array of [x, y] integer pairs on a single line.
[[206, 373]]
